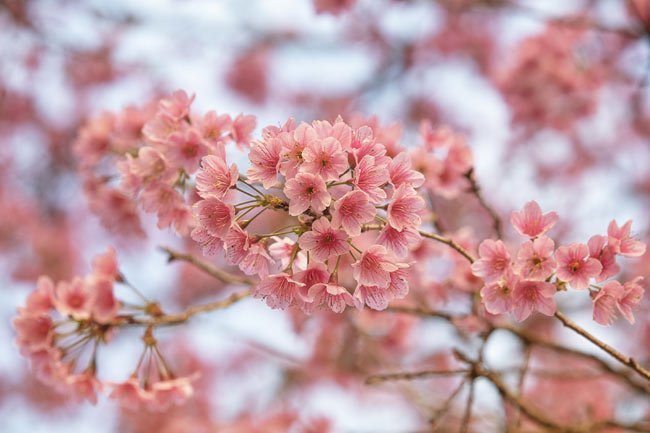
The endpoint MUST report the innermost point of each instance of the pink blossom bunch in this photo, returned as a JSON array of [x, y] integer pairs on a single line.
[[444, 158], [549, 85], [156, 152], [528, 280], [61, 326], [336, 185]]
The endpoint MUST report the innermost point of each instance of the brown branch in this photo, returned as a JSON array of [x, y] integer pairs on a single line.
[[623, 359], [449, 242], [209, 269], [425, 374], [476, 191], [529, 338], [184, 316]]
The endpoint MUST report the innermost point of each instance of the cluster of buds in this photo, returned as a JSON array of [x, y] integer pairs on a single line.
[[62, 325], [336, 186], [539, 270]]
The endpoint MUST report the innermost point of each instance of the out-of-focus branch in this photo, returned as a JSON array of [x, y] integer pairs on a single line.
[[623, 359], [476, 191], [425, 374]]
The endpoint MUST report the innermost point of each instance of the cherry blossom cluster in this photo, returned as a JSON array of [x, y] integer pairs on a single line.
[[61, 327], [335, 186], [550, 85], [153, 152], [529, 279]]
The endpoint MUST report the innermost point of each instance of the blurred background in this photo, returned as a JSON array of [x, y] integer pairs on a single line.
[[551, 96]]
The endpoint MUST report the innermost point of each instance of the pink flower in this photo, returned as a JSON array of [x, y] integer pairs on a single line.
[[404, 208], [292, 147], [315, 273], [257, 261], [41, 300], [212, 126], [529, 296], [215, 178], [241, 129], [575, 266], [84, 386], [131, 395], [73, 299], [177, 105], [105, 265], [105, 307], [631, 296], [535, 259], [185, 149], [401, 173], [605, 254], [352, 211], [605, 303], [265, 161], [497, 297], [369, 177], [323, 241], [494, 260], [378, 298], [375, 266], [215, 216], [334, 7], [324, 158], [304, 191], [282, 250], [334, 296], [34, 331], [280, 291], [530, 221], [210, 245], [169, 392], [620, 240], [399, 242], [236, 243]]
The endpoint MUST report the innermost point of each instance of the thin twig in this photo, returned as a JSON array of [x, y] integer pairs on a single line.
[[476, 191], [209, 269], [425, 374]]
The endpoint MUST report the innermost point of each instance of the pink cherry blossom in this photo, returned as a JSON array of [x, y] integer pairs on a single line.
[[177, 105], [280, 291], [293, 146], [324, 158], [104, 305], [215, 216], [34, 331], [497, 296], [630, 298], [105, 265], [605, 303], [375, 266], [257, 261], [236, 243], [314, 273], [241, 129], [335, 297], [600, 250], [83, 386], [530, 221], [399, 242], [401, 173], [369, 177], [404, 208], [324, 241], [529, 296], [493, 262], [575, 266], [619, 238], [306, 191], [213, 126], [131, 395], [185, 149], [535, 259], [169, 392], [210, 245], [265, 161], [352, 211], [41, 300], [214, 178], [73, 299]]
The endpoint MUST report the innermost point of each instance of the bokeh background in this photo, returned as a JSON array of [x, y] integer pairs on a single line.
[[452, 62]]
